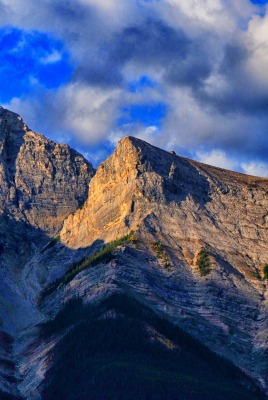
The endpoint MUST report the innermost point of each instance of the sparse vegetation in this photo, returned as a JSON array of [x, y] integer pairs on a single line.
[[52, 243], [255, 274], [105, 254], [265, 272], [161, 254], [203, 262]]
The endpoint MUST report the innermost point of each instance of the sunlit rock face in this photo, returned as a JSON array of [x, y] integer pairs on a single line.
[[139, 181], [174, 206]]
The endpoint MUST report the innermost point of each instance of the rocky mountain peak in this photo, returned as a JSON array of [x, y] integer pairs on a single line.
[[41, 181], [138, 180], [110, 199], [11, 124]]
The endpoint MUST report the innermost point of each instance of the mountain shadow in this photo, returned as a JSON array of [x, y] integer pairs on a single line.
[[6, 396], [119, 349]]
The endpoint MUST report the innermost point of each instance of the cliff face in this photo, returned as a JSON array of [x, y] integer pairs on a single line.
[[177, 209], [110, 201], [204, 204], [41, 182]]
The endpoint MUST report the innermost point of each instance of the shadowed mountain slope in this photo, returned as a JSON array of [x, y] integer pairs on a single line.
[[119, 349], [41, 182]]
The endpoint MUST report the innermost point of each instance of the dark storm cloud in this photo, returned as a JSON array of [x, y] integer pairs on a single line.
[[150, 43], [251, 140], [153, 42], [96, 74], [241, 95], [70, 11], [78, 23], [234, 57], [191, 71], [244, 95], [242, 98]]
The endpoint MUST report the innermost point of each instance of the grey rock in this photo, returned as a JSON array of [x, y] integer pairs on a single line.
[[164, 198]]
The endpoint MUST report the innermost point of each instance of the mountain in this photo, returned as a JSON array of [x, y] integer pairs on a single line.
[[145, 279], [41, 182]]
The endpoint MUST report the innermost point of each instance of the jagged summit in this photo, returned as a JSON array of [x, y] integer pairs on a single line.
[[41, 181], [11, 128], [148, 150], [138, 179]]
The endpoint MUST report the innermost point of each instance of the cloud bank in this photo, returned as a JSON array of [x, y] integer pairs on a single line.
[[189, 76]]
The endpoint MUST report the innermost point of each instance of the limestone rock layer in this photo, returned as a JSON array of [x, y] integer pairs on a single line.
[[41, 181]]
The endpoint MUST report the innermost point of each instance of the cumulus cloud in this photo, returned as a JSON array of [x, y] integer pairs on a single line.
[[217, 158], [75, 113], [256, 39], [256, 168], [89, 111], [207, 60]]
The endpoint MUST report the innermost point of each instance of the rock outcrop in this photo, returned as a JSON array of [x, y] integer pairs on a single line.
[[41, 181]]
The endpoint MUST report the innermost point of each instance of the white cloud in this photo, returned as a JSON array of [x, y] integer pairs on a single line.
[[197, 17], [77, 113], [256, 40], [51, 58], [202, 10], [88, 112], [256, 169], [218, 158], [149, 134]]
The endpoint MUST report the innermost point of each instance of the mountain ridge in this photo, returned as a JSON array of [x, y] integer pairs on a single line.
[[186, 206], [169, 209], [209, 175]]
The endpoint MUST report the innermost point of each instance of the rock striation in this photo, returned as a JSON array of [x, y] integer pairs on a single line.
[[186, 206], [41, 181], [175, 208]]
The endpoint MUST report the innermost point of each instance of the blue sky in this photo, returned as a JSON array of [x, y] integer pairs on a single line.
[[259, 2], [188, 76], [30, 59]]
